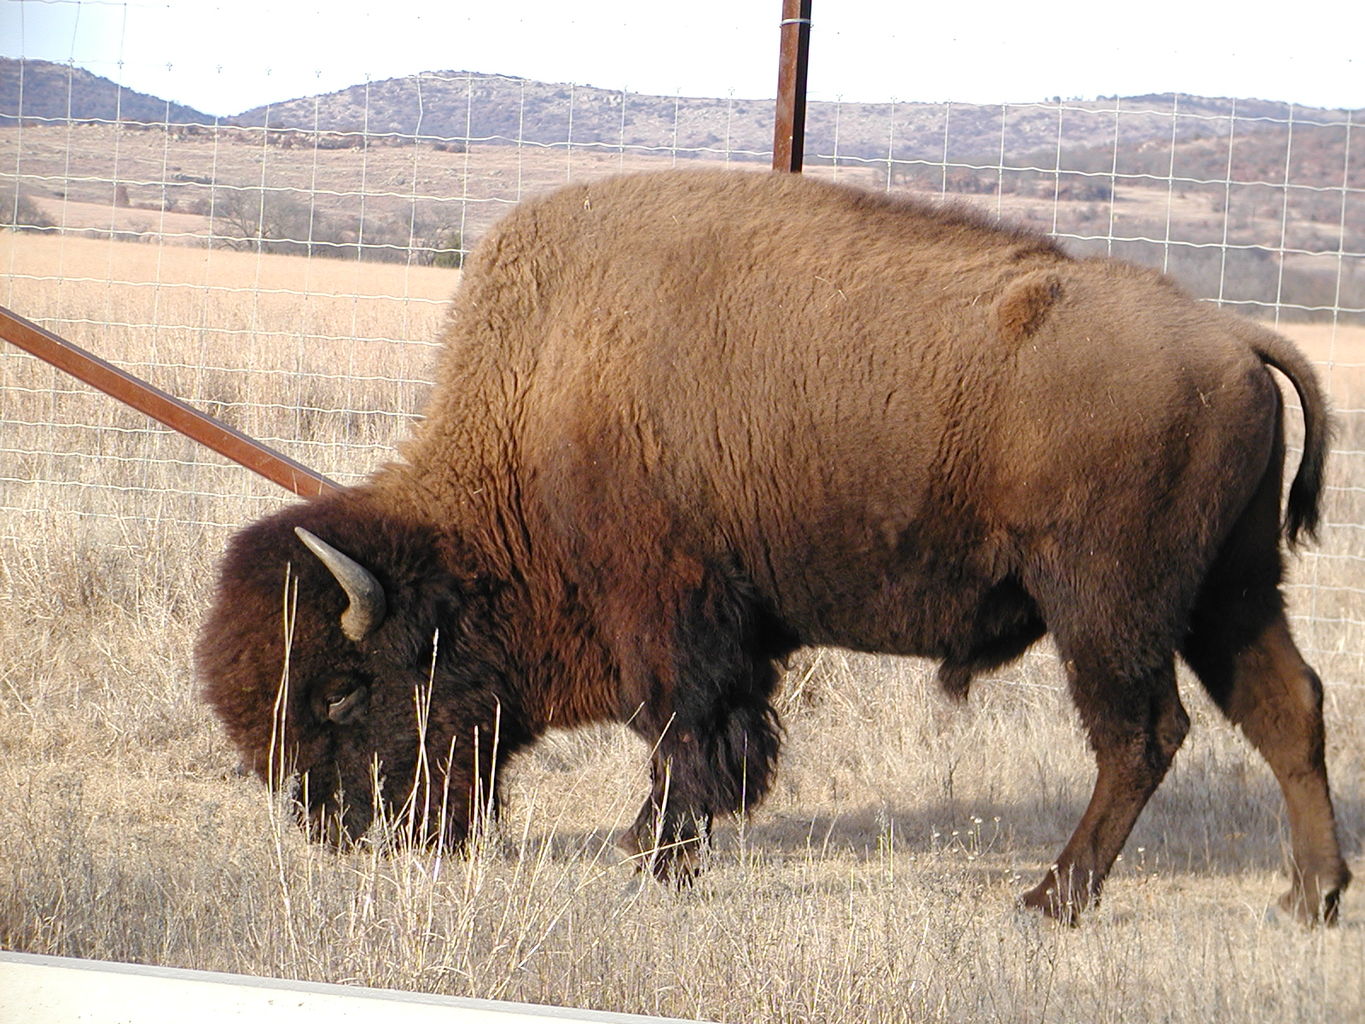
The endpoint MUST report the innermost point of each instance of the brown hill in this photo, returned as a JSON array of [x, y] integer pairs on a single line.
[[465, 105], [39, 90]]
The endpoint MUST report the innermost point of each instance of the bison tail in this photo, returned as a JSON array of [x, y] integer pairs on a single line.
[[1305, 493]]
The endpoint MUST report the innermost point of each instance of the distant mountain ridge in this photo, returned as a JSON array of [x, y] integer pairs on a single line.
[[40, 89], [473, 106]]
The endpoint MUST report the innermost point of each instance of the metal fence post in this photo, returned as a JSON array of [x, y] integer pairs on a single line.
[[789, 132]]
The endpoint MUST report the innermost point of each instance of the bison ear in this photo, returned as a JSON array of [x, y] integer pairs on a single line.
[[1023, 307], [368, 606]]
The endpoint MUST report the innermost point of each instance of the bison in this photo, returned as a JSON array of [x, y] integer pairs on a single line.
[[685, 423]]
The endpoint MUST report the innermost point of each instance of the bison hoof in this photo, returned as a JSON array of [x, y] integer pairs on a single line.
[[1047, 897], [679, 863], [1309, 908]]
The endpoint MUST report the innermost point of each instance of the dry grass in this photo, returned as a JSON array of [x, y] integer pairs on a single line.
[[875, 884], [379, 183]]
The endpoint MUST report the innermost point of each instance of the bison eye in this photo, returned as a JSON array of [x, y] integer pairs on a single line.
[[341, 700]]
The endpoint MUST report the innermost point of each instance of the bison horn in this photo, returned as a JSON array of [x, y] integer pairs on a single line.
[[368, 607]]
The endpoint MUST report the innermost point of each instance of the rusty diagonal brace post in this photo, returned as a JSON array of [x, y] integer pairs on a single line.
[[161, 407]]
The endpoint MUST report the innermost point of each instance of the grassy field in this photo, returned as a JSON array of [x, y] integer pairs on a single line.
[[876, 883]]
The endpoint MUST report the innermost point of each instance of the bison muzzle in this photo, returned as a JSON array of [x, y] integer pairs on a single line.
[[685, 423]]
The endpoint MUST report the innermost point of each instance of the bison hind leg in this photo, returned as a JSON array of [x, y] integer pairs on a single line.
[[1240, 647], [1243, 653], [1136, 724]]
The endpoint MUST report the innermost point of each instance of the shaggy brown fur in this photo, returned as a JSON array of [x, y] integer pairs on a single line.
[[686, 422]]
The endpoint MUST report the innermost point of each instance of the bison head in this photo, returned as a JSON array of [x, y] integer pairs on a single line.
[[348, 652]]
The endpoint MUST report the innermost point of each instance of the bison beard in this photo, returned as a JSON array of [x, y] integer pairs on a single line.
[[687, 422]]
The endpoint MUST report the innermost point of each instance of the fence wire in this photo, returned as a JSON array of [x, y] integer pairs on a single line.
[[287, 270]]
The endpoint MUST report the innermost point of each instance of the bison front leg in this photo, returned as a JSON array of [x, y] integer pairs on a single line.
[[671, 831], [703, 765], [704, 704], [1136, 726]]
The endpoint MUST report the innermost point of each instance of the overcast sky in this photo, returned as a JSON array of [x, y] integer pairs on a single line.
[[227, 57]]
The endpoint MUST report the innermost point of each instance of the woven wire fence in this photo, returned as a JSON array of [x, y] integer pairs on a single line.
[[287, 270]]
